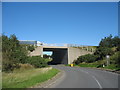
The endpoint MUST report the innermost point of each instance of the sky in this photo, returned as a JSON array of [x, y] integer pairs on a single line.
[[83, 23]]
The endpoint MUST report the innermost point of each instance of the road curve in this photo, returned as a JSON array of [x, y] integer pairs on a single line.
[[77, 77]]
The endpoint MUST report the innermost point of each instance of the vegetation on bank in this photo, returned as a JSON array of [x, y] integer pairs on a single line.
[[107, 46], [19, 70], [27, 78], [14, 53], [31, 48], [92, 65]]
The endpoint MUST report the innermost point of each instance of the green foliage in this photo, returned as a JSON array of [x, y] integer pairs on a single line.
[[27, 78], [37, 61], [115, 59], [116, 41], [103, 51], [113, 67], [110, 42], [88, 65], [31, 48], [88, 58], [106, 42], [12, 53], [118, 48], [107, 46]]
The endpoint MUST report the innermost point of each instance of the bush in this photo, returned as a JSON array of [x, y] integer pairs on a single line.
[[103, 51], [31, 48], [37, 61], [23, 67], [115, 59], [9, 65], [26, 66], [88, 58], [118, 48]]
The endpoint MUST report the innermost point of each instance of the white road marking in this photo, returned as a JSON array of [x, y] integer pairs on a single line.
[[97, 82], [94, 78]]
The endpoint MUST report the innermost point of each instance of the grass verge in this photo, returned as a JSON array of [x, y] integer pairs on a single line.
[[84, 65], [88, 65], [91, 65], [112, 67], [27, 78]]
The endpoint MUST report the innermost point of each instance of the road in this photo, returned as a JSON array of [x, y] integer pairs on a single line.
[[77, 77]]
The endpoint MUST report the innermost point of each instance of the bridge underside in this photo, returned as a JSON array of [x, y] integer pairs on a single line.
[[60, 55]]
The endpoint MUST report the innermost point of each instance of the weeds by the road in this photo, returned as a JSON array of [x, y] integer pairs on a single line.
[[112, 67], [27, 78], [93, 65]]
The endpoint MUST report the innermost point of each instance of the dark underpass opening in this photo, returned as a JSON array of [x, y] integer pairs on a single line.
[[59, 55]]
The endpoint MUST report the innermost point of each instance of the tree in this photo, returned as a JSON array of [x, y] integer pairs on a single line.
[[12, 53], [107, 45], [115, 59], [110, 42], [106, 42], [116, 41], [103, 51], [8, 49]]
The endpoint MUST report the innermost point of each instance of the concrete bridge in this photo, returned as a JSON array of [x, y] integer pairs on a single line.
[[61, 54]]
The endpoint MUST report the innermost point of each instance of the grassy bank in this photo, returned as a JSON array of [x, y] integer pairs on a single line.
[[92, 65], [111, 67], [84, 65], [27, 78], [87, 65]]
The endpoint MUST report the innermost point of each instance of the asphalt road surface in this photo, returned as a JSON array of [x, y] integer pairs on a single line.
[[77, 77]]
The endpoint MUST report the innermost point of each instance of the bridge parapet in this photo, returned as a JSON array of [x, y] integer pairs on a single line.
[[55, 44], [64, 45]]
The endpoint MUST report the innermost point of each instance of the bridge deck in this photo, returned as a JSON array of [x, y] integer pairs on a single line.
[[55, 47]]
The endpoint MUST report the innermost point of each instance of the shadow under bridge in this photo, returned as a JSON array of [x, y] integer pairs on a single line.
[[59, 56]]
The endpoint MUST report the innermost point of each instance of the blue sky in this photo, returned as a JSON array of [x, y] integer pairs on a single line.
[[67, 22]]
